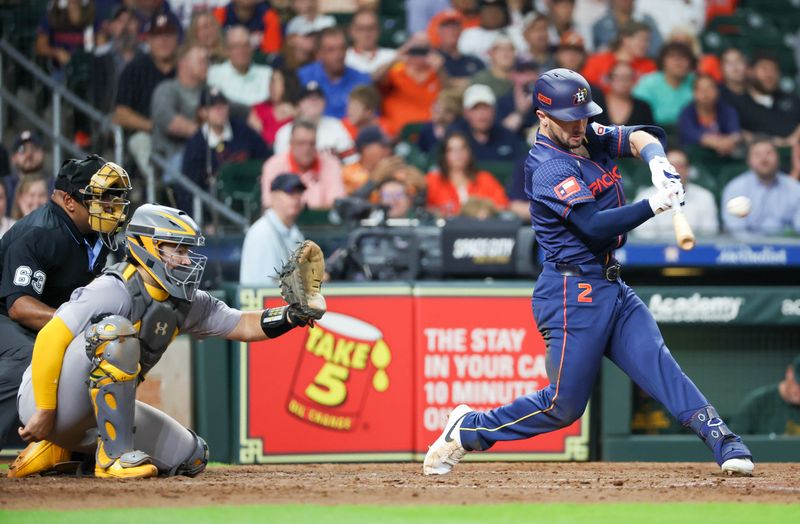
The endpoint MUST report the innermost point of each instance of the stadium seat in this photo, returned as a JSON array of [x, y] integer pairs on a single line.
[[313, 217], [410, 132], [502, 171], [238, 187]]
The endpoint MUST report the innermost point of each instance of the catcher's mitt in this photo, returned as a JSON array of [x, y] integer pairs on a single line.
[[301, 279]]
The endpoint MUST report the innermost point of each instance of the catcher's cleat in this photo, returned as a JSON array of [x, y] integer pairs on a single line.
[[37, 457], [738, 466], [447, 450], [119, 470]]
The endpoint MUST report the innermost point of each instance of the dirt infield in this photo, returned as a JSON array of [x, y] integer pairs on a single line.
[[403, 484]]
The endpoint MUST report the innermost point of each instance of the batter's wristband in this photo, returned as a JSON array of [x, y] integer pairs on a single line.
[[275, 321], [652, 150]]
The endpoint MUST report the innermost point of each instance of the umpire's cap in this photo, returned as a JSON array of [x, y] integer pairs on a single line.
[[565, 95], [75, 174]]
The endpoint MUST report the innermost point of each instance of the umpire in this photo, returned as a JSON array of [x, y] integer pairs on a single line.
[[46, 256]]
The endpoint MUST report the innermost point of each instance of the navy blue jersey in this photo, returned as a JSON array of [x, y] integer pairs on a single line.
[[557, 180]]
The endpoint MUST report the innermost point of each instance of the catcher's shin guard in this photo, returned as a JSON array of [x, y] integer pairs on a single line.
[[38, 457], [724, 443], [114, 348]]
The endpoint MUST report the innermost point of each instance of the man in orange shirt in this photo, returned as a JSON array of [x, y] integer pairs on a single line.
[[631, 46], [410, 84], [321, 173], [258, 17]]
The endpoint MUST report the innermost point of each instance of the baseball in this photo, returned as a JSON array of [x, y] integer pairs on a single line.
[[739, 206]]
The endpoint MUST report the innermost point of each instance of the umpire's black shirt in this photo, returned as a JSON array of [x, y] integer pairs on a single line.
[[46, 257]]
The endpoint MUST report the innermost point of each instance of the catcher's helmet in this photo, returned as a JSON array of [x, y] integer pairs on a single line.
[[565, 95], [152, 225], [103, 188]]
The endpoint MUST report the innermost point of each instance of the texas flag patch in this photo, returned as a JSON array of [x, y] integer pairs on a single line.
[[566, 188]]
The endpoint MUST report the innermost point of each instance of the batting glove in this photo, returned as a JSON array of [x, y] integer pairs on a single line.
[[663, 198], [662, 172]]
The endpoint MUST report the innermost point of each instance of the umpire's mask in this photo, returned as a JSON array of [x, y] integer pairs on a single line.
[[159, 239], [106, 199]]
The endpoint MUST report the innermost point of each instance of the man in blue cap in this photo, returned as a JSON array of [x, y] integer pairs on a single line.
[[582, 307]]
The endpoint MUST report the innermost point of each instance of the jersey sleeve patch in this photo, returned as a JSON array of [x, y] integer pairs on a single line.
[[567, 188]]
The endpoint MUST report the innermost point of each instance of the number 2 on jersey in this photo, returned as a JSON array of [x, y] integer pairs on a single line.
[[587, 290]]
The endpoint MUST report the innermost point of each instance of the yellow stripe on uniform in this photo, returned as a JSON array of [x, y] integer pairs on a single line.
[[48, 355]]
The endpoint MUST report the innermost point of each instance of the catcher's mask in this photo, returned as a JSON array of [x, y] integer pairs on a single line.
[[106, 199], [113, 330], [159, 239]]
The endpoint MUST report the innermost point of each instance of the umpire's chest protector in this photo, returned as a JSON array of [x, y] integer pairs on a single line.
[[158, 323]]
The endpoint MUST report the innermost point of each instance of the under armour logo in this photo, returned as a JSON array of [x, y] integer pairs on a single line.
[[161, 328], [580, 97]]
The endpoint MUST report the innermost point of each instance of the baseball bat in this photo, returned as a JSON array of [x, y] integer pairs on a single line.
[[683, 231]]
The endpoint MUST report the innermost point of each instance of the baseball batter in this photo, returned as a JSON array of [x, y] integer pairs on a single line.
[[582, 307], [109, 335]]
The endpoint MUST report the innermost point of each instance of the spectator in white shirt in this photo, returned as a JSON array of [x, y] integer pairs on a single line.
[[365, 55], [332, 135], [495, 20], [308, 19], [240, 80], [272, 238], [700, 208]]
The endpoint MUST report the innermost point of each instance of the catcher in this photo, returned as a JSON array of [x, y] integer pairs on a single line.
[[123, 322]]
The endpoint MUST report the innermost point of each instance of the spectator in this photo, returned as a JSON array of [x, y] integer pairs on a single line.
[[362, 110], [243, 83], [148, 10], [630, 46], [444, 112], [298, 50], [308, 18], [459, 67], [187, 10], [535, 31], [365, 55], [465, 11], [420, 12], [5, 222], [571, 53], [620, 13], [135, 89], [66, 28], [773, 409], [205, 31], [270, 115], [458, 179], [707, 64], [27, 159], [734, 75], [495, 19], [700, 208], [397, 197], [221, 139], [110, 59], [258, 17], [708, 121], [669, 15], [767, 110], [330, 72], [373, 146], [561, 18], [514, 108], [32, 193], [479, 208], [175, 103], [272, 238], [621, 107], [488, 140], [410, 85], [773, 195], [501, 61], [332, 136], [320, 172], [669, 90]]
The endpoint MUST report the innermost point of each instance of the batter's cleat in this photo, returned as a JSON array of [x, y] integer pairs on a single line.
[[738, 466], [125, 468], [447, 450], [37, 457]]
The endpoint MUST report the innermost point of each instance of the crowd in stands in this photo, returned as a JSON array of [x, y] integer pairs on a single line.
[[431, 122]]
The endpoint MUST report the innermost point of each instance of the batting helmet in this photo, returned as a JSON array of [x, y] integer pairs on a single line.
[[565, 95], [153, 225]]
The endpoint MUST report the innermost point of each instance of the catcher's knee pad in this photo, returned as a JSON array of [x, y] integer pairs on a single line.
[[197, 460], [724, 443], [113, 347]]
